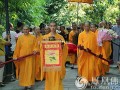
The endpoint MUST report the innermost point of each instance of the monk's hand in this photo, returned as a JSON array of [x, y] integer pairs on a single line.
[[62, 44], [1, 64], [14, 58], [88, 50], [100, 56], [81, 47], [34, 52]]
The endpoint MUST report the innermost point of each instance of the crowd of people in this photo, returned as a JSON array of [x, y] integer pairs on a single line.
[[26, 40]]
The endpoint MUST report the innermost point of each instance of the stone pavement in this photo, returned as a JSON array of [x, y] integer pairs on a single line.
[[69, 81]]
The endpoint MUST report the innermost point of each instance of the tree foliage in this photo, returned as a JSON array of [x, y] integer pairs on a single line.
[[28, 11], [53, 7], [102, 10], [99, 10], [36, 11]]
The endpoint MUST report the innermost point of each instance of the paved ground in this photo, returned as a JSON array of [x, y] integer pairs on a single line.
[[69, 82]]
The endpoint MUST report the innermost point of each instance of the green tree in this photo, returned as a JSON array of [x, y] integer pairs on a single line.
[[28, 11], [53, 7], [37, 11], [102, 10], [99, 10]]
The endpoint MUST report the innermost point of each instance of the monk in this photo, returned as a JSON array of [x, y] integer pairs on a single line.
[[86, 61], [25, 69], [72, 56], [54, 78], [99, 66], [106, 50], [38, 36]]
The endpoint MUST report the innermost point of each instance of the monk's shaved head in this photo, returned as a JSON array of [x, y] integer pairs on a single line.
[[87, 26], [53, 26]]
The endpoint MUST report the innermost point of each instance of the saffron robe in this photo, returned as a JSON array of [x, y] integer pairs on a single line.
[[107, 50], [53, 79], [71, 56], [25, 69], [99, 67], [87, 62], [38, 59]]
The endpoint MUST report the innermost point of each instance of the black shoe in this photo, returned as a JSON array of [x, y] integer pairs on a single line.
[[37, 80], [72, 67], [100, 78], [88, 85], [2, 85]]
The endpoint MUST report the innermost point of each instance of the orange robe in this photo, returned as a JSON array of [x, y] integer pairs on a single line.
[[72, 57], [104, 50], [54, 78], [25, 69], [87, 62], [107, 51], [99, 67], [71, 34], [38, 60]]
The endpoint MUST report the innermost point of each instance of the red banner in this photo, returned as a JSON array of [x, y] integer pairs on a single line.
[[82, 1], [52, 55]]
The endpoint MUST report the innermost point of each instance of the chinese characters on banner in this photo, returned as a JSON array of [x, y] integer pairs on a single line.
[[52, 55]]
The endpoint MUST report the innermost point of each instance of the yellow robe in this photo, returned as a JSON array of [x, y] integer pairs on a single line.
[[54, 78], [38, 60], [25, 69], [99, 67], [71, 34], [87, 62], [104, 50], [72, 57], [107, 51]]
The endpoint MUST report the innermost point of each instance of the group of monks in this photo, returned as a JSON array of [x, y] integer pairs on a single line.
[[90, 66], [31, 68]]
